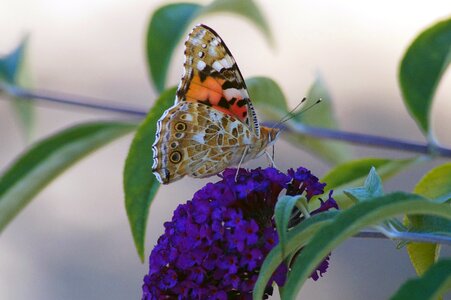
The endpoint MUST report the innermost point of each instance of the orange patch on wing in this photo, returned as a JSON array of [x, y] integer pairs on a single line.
[[211, 89]]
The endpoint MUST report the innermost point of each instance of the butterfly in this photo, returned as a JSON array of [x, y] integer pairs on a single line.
[[212, 124]]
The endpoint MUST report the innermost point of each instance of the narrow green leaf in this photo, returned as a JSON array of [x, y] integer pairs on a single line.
[[140, 185], [48, 158], [435, 282], [348, 223], [169, 23], [296, 239], [14, 71], [167, 26], [372, 188], [321, 115], [422, 68], [353, 173], [282, 214], [435, 184]]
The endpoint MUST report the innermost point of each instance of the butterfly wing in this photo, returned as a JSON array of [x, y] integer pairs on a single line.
[[197, 140], [212, 78]]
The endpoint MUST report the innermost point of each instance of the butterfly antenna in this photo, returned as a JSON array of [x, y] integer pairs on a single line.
[[290, 113], [302, 111]]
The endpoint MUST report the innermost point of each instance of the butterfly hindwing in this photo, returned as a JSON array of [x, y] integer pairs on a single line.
[[197, 140], [212, 77]]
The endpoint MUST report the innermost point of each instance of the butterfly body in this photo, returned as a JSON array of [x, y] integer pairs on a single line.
[[212, 124]]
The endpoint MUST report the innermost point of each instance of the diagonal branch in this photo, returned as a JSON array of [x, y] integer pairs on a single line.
[[322, 133]]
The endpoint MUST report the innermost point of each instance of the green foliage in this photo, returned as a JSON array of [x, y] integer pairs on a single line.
[[45, 160], [323, 116], [282, 214], [167, 26], [296, 239], [421, 69], [353, 173], [140, 185], [271, 104], [436, 184], [348, 223], [371, 188], [169, 23], [435, 282], [14, 71]]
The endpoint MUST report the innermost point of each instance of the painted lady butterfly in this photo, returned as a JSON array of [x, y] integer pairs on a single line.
[[212, 124]]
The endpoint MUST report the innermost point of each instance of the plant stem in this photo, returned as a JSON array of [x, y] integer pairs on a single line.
[[420, 237], [323, 133], [71, 100]]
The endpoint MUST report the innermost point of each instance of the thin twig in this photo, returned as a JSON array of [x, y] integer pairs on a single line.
[[71, 100], [419, 237], [324, 133]]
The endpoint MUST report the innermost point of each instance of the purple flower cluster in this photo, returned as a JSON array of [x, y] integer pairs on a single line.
[[215, 244]]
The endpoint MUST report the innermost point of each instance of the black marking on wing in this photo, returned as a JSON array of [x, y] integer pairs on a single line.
[[242, 102], [224, 103]]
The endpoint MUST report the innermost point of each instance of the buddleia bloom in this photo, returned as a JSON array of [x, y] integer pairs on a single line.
[[215, 244]]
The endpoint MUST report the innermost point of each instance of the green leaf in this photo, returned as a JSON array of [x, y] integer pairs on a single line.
[[323, 116], [296, 239], [169, 24], [434, 185], [435, 282], [268, 98], [48, 158], [271, 105], [372, 188], [422, 68], [14, 71], [140, 185], [282, 214], [348, 223], [353, 173]]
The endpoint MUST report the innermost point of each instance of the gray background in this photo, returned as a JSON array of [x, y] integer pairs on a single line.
[[73, 240]]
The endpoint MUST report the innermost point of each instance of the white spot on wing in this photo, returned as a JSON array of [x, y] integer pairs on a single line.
[[201, 65], [212, 51], [199, 137], [234, 93], [215, 117], [217, 66], [227, 63]]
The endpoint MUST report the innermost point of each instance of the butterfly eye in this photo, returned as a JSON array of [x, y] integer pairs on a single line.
[[175, 157], [180, 126]]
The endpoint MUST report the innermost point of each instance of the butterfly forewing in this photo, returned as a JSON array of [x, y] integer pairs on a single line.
[[212, 77]]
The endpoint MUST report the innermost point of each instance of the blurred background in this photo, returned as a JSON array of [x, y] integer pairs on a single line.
[[73, 241]]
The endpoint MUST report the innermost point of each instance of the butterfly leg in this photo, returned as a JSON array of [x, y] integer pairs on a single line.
[[271, 160], [241, 161]]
